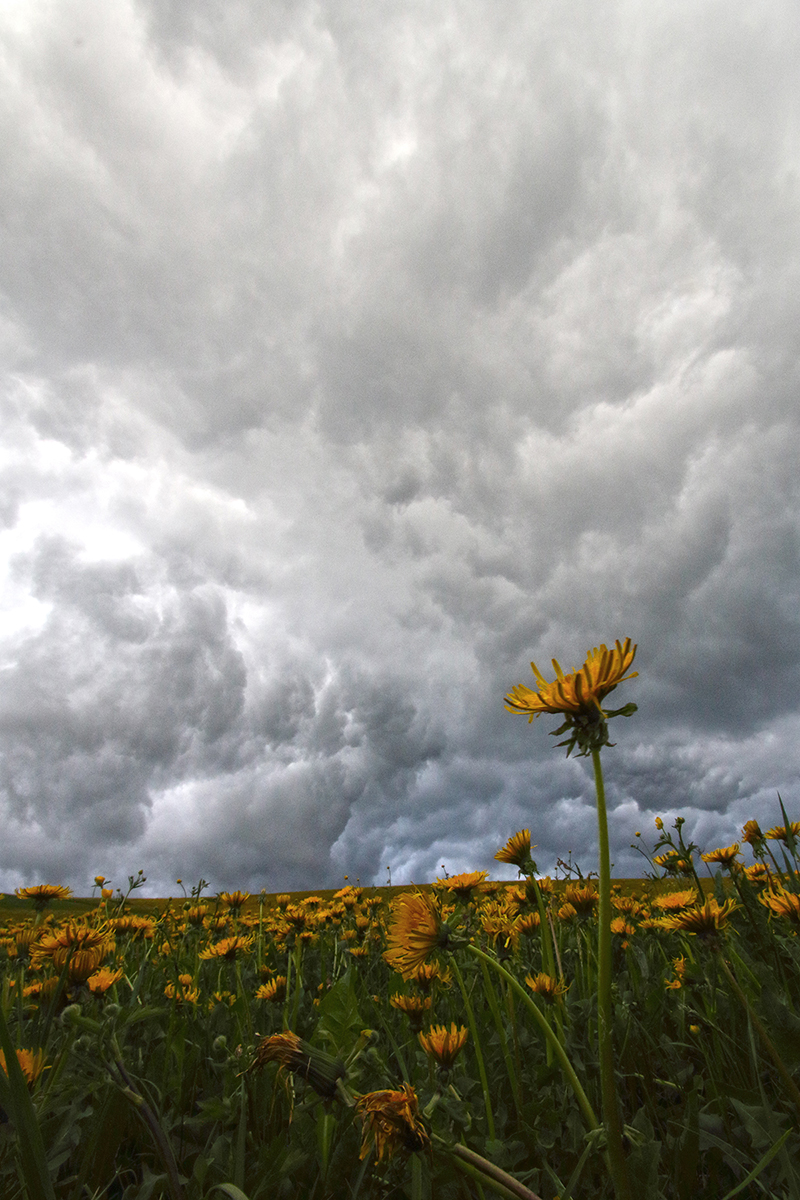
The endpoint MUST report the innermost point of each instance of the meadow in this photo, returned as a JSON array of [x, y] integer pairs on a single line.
[[435, 1042]]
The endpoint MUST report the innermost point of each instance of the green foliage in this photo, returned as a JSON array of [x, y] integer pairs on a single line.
[[150, 1087]]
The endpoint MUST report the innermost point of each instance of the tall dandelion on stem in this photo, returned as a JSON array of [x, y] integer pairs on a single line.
[[579, 697]]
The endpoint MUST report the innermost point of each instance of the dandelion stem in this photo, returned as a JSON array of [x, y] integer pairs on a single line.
[[547, 1030], [490, 1173], [473, 1028], [611, 1112]]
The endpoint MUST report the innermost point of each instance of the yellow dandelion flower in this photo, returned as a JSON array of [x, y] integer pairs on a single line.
[[583, 899], [234, 900], [132, 926], [527, 923], [546, 986], [783, 904], [415, 1008], [32, 1063], [273, 989], [679, 967], [673, 863], [751, 833], [229, 948], [102, 980], [781, 833], [621, 927], [182, 995], [416, 931], [391, 1123], [675, 900], [83, 947], [43, 894], [706, 922], [429, 973], [724, 855], [462, 886], [758, 874], [577, 693], [444, 1044], [517, 851], [567, 913]]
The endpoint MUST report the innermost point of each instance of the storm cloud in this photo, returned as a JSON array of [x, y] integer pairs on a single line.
[[354, 357]]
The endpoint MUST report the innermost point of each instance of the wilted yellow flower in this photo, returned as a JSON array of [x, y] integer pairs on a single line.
[[659, 823], [415, 933], [391, 1123], [43, 894], [444, 1044], [517, 850], [577, 693], [288, 1050], [546, 986]]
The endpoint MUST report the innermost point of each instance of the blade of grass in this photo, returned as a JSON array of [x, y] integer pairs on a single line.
[[16, 1100], [759, 1167]]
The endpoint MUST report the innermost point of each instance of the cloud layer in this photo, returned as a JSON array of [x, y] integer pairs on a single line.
[[353, 358]]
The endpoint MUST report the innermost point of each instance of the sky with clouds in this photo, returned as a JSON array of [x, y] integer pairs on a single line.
[[353, 356]]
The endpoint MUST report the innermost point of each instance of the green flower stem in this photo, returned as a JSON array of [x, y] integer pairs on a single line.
[[612, 1118], [473, 1028], [547, 1030], [491, 996], [480, 1168]]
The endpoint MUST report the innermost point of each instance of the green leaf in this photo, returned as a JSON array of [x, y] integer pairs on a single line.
[[230, 1190], [340, 1022]]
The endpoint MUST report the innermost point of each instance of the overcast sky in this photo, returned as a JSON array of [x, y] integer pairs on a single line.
[[355, 355]]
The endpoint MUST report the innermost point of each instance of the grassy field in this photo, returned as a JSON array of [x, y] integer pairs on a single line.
[[400, 1042]]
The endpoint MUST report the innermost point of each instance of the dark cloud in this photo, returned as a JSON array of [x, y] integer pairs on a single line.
[[354, 357]]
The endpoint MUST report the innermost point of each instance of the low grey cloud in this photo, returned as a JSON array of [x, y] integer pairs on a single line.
[[354, 357]]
